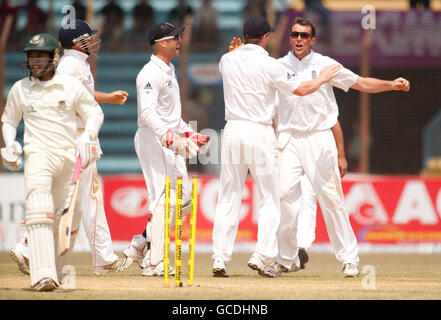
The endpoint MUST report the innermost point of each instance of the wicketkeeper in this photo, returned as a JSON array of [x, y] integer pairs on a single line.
[[163, 142]]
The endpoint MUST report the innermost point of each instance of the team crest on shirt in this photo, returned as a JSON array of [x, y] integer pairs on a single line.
[[30, 108], [61, 105], [290, 75], [314, 74]]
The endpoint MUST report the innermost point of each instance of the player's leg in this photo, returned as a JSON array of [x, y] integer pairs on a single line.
[[39, 220], [20, 254], [153, 263], [87, 204], [137, 248], [264, 170], [177, 166], [307, 215], [62, 190], [154, 259], [104, 259], [140, 245], [306, 220], [232, 179], [323, 172], [291, 173], [156, 163]]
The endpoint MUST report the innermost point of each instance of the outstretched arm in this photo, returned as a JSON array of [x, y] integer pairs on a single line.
[[115, 97], [374, 85]]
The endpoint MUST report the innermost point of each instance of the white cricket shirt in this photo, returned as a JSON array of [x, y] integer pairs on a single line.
[[159, 101], [74, 63], [49, 110], [316, 111], [251, 79]]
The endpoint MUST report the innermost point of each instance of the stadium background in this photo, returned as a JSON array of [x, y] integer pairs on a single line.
[[392, 190]]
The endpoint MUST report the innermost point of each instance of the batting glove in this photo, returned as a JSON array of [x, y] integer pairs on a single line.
[[12, 156], [88, 150]]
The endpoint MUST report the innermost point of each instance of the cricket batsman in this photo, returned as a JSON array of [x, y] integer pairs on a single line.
[[47, 102]]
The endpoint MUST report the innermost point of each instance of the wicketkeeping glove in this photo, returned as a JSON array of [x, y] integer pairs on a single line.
[[202, 141], [179, 145], [12, 156]]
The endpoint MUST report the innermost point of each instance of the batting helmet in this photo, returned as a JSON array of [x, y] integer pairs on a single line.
[[69, 36], [42, 42]]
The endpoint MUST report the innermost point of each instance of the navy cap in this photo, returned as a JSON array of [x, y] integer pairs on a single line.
[[256, 26], [68, 34], [163, 30]]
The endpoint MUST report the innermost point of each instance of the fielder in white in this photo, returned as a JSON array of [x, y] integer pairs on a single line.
[[78, 45], [48, 102], [163, 142], [307, 147], [251, 79], [306, 220]]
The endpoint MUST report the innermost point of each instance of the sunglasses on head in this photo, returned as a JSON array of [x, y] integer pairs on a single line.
[[303, 35]]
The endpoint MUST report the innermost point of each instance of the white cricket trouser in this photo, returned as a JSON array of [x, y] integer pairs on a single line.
[[90, 202], [247, 146], [50, 173], [156, 163], [313, 154], [307, 215]]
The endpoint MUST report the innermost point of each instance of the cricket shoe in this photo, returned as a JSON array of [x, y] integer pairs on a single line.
[[219, 269], [263, 269], [137, 249], [46, 284], [21, 260], [282, 269], [118, 265], [304, 257], [350, 270], [299, 263], [157, 270]]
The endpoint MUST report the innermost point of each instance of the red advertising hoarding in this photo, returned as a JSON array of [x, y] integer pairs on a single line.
[[383, 209]]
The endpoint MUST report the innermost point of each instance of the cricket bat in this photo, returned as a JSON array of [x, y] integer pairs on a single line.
[[65, 226]]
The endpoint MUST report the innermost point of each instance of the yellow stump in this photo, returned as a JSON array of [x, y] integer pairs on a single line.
[[192, 240], [167, 232], [178, 234]]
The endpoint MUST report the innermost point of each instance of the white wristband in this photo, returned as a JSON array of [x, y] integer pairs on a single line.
[[9, 133]]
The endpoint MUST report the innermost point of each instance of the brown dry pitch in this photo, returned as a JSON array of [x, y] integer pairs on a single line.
[[383, 276]]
